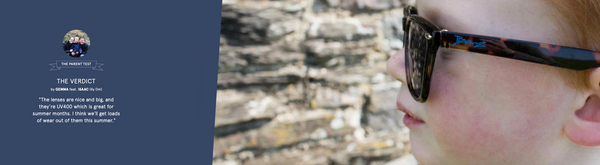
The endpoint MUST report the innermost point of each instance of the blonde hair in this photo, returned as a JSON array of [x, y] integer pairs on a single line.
[[579, 23]]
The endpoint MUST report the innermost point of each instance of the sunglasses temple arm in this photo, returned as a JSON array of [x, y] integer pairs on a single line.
[[554, 55]]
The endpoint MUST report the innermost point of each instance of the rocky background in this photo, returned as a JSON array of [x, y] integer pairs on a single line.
[[305, 82]]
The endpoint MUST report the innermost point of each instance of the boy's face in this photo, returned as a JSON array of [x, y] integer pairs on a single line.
[[483, 109]]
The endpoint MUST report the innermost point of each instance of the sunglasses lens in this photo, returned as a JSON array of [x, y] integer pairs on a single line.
[[416, 51]]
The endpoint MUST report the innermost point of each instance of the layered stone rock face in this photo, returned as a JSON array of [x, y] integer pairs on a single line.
[[305, 82]]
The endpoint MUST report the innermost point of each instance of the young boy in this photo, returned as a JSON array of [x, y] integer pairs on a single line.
[[75, 48], [485, 109]]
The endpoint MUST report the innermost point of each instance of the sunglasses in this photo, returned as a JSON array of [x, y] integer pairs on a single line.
[[422, 40]]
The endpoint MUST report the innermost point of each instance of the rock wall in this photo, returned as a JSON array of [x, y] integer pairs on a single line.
[[305, 82]]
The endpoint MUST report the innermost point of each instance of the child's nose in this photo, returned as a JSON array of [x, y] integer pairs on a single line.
[[395, 66]]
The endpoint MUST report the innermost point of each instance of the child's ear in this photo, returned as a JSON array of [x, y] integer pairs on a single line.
[[584, 127]]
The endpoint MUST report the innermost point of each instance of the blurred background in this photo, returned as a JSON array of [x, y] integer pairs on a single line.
[[305, 82], [77, 33]]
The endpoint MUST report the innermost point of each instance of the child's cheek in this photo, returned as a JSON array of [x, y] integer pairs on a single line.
[[459, 126], [460, 118], [475, 118]]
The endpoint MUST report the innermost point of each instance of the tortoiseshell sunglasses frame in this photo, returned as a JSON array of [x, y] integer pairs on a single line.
[[548, 54]]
